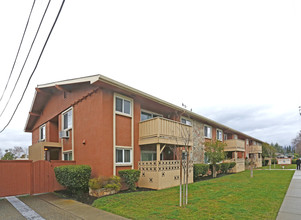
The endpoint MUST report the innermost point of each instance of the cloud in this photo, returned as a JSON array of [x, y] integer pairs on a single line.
[[13, 137], [261, 121]]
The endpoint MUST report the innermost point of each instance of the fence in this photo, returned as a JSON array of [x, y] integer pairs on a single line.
[[19, 177]]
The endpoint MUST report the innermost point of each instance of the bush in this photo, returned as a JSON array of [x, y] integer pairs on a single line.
[[274, 161], [265, 162], [130, 177], [217, 168], [232, 164], [225, 167], [74, 177], [200, 170], [105, 182]]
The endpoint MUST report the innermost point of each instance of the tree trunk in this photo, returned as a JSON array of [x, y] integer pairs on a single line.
[[181, 179], [184, 183], [251, 170], [187, 168], [213, 170]]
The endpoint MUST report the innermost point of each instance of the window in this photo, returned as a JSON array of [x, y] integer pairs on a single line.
[[123, 106], [148, 115], [186, 121], [123, 156], [247, 141], [225, 136], [67, 120], [42, 133], [235, 136], [219, 135], [150, 156], [254, 143], [207, 131], [68, 156]]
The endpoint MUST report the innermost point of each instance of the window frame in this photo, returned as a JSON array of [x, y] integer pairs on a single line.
[[151, 113], [209, 137], [40, 128], [221, 136], [186, 119], [63, 119], [123, 156], [123, 98], [69, 155]]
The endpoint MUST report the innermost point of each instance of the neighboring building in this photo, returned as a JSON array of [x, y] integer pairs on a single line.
[[110, 126]]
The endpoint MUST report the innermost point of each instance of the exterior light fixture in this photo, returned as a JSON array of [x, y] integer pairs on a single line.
[[45, 149]]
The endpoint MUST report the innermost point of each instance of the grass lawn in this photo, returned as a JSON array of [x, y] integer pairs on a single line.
[[235, 196], [277, 166]]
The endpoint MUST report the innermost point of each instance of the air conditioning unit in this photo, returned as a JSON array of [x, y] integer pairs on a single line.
[[64, 134]]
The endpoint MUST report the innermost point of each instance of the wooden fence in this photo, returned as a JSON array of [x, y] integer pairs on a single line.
[[18, 177]]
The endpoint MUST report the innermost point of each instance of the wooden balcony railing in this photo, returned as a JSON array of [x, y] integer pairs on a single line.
[[165, 131], [235, 145], [254, 149]]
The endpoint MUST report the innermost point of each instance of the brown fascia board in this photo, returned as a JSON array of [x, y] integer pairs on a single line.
[[93, 79]]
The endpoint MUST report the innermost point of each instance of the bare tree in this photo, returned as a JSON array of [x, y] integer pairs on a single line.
[[183, 144]]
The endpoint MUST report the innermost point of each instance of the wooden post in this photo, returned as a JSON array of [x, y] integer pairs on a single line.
[[158, 152]]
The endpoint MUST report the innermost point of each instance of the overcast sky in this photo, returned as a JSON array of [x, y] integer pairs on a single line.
[[236, 62]]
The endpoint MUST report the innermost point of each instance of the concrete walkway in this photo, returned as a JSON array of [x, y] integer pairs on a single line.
[[291, 205], [50, 206]]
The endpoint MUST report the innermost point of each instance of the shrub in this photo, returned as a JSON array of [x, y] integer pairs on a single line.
[[74, 177], [265, 162], [130, 177], [200, 170], [274, 161], [217, 168], [113, 183], [94, 183], [232, 164], [225, 167], [105, 182]]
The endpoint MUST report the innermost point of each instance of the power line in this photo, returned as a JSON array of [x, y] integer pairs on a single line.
[[18, 50], [32, 43], [37, 63]]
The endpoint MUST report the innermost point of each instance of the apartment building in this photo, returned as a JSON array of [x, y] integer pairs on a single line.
[[110, 126]]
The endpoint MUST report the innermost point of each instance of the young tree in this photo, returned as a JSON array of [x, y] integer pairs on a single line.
[[268, 151], [8, 156], [215, 153]]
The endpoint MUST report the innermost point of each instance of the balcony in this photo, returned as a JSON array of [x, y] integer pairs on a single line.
[[165, 131], [162, 174], [37, 151], [235, 145], [240, 164], [255, 149]]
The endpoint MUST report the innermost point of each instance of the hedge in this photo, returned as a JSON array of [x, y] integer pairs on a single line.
[[225, 167], [232, 164], [130, 177], [74, 177], [200, 170]]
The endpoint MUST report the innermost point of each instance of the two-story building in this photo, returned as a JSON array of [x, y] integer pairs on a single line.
[[110, 126]]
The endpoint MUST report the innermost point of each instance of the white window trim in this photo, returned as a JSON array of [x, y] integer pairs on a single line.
[[187, 119], [210, 131], [42, 139], [67, 152], [222, 135], [131, 156], [63, 113], [124, 98]]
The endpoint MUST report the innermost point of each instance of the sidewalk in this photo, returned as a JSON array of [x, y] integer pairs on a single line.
[[49, 206], [291, 205], [78, 209]]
